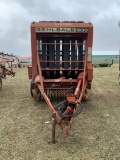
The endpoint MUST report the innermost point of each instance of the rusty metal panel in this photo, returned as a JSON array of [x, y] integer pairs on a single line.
[[30, 72]]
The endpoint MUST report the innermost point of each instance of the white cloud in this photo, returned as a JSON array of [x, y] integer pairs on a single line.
[[16, 17]]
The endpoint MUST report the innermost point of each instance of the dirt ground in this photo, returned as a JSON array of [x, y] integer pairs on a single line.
[[95, 134]]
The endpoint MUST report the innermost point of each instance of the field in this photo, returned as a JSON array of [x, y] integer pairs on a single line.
[[95, 134]]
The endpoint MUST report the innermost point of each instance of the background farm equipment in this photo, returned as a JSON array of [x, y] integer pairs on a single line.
[[25, 62], [102, 65], [61, 67], [107, 63], [6, 65]]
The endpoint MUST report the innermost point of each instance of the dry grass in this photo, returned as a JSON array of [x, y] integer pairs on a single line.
[[95, 134]]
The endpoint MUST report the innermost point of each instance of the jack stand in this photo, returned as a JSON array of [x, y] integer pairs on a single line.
[[53, 128]]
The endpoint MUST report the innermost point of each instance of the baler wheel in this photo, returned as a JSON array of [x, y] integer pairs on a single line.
[[86, 95], [31, 87], [0, 83], [34, 91], [119, 78]]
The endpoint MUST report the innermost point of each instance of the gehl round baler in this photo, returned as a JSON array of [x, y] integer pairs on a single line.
[[61, 67]]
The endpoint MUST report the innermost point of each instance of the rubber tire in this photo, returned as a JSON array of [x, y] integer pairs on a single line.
[[0, 83], [31, 87], [119, 78]]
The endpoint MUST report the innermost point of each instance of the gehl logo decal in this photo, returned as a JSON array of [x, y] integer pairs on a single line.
[[64, 30]]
